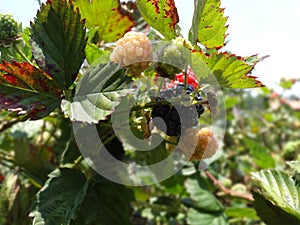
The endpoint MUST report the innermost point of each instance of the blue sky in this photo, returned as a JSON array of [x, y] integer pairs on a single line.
[[264, 27]]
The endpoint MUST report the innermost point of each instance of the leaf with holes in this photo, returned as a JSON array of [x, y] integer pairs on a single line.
[[280, 189], [161, 15], [209, 24], [98, 92], [111, 21], [230, 71], [27, 90], [58, 41], [59, 199]]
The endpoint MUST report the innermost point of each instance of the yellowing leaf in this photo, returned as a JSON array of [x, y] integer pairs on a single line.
[[161, 15], [106, 15]]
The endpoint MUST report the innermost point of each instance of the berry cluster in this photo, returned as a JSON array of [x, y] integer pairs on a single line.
[[173, 118], [198, 144], [133, 51], [9, 29]]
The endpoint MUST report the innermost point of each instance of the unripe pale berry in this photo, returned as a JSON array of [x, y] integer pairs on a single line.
[[200, 144], [133, 51]]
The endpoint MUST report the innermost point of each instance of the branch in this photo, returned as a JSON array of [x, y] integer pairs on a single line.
[[227, 191]]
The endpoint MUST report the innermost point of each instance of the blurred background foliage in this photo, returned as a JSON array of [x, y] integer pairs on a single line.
[[262, 133]]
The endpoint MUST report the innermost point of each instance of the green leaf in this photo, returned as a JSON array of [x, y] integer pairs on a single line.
[[58, 41], [58, 201], [209, 24], [161, 15], [195, 217], [295, 165], [27, 90], [228, 70], [260, 154], [95, 55], [280, 189], [272, 214], [200, 198], [241, 213], [198, 11], [106, 203], [106, 15], [231, 101], [98, 92]]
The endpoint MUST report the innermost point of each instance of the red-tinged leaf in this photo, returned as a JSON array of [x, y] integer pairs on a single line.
[[229, 70], [106, 15], [27, 90], [161, 15]]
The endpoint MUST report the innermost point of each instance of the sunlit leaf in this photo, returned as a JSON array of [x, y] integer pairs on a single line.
[[107, 16], [161, 15], [198, 11], [295, 165], [241, 213], [230, 71], [58, 201], [280, 189], [58, 41], [98, 92], [209, 24], [95, 55], [27, 90]]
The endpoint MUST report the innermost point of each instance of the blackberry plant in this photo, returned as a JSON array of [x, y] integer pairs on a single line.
[[50, 97]]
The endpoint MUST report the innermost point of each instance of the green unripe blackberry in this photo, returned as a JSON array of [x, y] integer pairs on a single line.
[[9, 29], [172, 60]]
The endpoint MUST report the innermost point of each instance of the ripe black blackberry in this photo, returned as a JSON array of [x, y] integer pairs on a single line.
[[178, 117]]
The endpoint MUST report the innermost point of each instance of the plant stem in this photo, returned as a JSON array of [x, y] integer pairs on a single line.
[[227, 191]]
